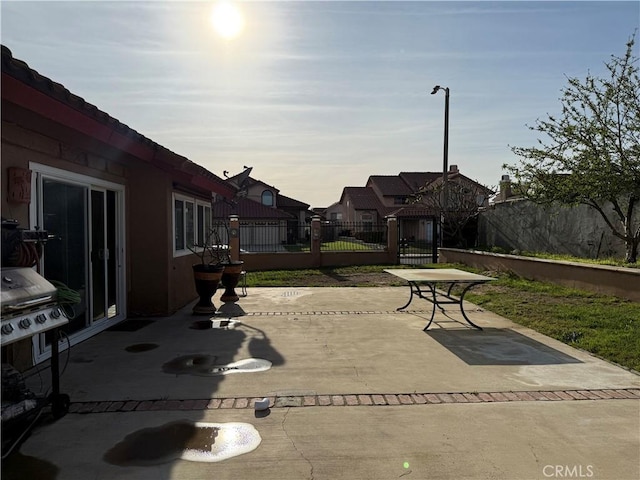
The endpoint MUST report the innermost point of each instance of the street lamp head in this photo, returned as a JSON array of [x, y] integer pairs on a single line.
[[435, 89]]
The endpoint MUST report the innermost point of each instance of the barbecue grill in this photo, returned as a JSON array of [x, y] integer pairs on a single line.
[[28, 304]]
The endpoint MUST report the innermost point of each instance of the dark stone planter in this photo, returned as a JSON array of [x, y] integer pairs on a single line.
[[230, 279], [207, 278]]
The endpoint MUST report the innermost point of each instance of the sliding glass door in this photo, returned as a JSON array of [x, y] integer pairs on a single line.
[[85, 251], [64, 215], [104, 254]]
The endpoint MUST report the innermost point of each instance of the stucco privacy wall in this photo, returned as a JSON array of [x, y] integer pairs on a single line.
[[522, 225], [619, 281]]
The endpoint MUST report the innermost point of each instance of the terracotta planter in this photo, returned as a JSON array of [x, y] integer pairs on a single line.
[[207, 278], [230, 279]]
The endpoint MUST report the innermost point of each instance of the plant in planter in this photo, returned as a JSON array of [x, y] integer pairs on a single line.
[[232, 271], [230, 279], [208, 273]]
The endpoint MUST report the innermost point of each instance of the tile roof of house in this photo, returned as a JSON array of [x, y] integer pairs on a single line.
[[247, 209], [16, 74], [389, 185], [413, 210], [363, 198], [417, 180], [404, 184], [282, 200], [457, 176], [287, 202]]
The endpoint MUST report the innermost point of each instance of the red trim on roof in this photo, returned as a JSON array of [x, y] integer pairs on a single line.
[[90, 121], [28, 97]]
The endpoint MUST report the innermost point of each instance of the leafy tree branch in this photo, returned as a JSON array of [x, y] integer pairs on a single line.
[[591, 153]]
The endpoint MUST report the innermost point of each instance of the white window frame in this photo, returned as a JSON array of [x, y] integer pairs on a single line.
[[194, 221], [207, 221]]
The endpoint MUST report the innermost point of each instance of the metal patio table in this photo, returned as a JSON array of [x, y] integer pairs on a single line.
[[432, 277]]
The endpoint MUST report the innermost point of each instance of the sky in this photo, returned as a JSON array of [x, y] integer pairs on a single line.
[[319, 95]]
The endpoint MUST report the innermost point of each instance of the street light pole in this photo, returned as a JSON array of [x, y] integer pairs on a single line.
[[445, 159]]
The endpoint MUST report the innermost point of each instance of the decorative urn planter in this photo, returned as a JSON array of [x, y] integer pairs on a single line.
[[230, 278], [207, 278]]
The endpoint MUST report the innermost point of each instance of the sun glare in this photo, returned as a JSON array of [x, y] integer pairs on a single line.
[[227, 20]]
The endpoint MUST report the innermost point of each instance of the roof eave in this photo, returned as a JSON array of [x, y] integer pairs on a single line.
[[116, 135]]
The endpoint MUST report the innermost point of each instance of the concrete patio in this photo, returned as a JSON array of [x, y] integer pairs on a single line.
[[357, 391]]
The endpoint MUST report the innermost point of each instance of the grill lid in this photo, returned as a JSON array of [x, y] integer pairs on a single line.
[[23, 288]]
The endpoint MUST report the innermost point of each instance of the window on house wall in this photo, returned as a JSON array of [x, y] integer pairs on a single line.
[[178, 223], [399, 200], [191, 221], [367, 222], [204, 223], [267, 198]]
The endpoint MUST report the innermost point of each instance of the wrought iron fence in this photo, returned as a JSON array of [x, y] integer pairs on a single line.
[[353, 236], [274, 236], [283, 236]]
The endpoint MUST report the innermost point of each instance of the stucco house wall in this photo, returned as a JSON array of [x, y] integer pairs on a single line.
[[335, 212], [155, 279], [51, 133]]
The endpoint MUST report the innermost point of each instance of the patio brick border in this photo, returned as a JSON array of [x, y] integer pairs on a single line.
[[352, 400], [336, 312]]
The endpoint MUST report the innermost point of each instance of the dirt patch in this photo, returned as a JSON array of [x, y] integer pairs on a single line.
[[373, 279]]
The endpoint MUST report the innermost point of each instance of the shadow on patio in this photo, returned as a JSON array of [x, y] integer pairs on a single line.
[[498, 346]]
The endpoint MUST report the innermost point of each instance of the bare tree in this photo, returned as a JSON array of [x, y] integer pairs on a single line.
[[464, 199]]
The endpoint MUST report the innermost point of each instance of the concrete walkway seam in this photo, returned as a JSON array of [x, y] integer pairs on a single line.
[[353, 400], [340, 312]]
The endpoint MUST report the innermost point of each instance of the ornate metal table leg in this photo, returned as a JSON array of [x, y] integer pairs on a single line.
[[435, 304], [462, 307], [410, 298]]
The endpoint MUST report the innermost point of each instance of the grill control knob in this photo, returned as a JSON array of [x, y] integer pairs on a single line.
[[41, 318], [55, 313], [24, 323], [7, 328]]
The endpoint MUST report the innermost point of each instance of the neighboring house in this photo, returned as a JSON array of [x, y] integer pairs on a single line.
[[261, 205], [333, 212], [261, 227], [397, 194], [398, 190], [361, 204], [405, 196], [364, 206], [466, 191], [120, 209]]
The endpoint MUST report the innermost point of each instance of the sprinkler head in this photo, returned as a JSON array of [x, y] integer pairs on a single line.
[[262, 404]]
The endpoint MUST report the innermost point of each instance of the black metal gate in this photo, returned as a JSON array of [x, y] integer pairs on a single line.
[[417, 241]]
